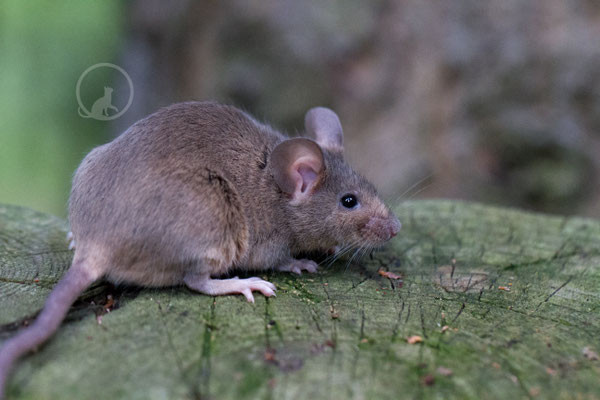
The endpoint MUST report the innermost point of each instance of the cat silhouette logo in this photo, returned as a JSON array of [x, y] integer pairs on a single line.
[[104, 108]]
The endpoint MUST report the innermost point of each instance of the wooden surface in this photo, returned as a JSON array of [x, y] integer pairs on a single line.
[[506, 303]]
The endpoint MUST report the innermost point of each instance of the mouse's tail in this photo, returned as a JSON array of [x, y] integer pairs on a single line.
[[73, 283], [82, 114]]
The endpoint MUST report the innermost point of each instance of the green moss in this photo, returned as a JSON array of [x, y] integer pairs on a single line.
[[342, 332]]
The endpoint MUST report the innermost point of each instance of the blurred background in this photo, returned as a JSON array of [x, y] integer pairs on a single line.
[[495, 101]]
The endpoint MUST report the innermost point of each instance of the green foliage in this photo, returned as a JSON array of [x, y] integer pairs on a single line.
[[44, 48]]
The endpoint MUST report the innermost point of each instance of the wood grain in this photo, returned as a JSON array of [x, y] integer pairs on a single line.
[[507, 304]]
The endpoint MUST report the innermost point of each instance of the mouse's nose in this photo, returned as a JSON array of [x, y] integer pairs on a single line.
[[382, 229], [395, 227]]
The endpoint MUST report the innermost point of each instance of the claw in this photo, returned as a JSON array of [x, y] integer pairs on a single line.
[[248, 294]]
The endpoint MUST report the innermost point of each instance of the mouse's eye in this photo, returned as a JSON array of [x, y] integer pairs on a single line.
[[349, 200]]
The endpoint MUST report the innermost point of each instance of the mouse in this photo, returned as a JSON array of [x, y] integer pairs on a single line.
[[198, 190]]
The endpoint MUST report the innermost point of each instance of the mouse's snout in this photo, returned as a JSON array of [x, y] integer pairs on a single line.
[[380, 229]]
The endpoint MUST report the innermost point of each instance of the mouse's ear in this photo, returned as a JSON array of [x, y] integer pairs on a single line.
[[324, 125], [297, 166]]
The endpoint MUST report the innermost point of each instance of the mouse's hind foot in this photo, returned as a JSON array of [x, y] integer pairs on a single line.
[[215, 287], [297, 266]]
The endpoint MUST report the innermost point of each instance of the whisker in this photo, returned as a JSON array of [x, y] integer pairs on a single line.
[[413, 186], [334, 257], [364, 252], [348, 248], [353, 257], [336, 254], [419, 191]]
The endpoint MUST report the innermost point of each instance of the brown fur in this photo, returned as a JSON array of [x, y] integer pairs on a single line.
[[188, 185]]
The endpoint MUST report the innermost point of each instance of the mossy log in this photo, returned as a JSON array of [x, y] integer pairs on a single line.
[[499, 304]]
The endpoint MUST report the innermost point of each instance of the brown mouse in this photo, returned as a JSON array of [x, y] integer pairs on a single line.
[[198, 189]]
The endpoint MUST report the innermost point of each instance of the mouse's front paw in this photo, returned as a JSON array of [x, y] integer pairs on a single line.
[[297, 266]]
